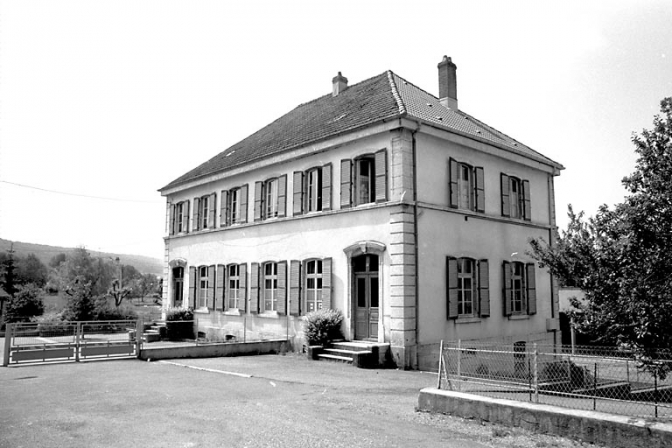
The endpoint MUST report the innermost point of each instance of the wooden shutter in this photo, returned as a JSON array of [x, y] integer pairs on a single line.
[[381, 175], [527, 210], [282, 196], [484, 288], [531, 283], [480, 189], [212, 213], [243, 203], [282, 287], [258, 200], [297, 197], [506, 205], [242, 285], [326, 187], [326, 282], [197, 214], [220, 302], [451, 282], [210, 294], [453, 174], [507, 291], [224, 216], [192, 287], [254, 288], [171, 220], [185, 217], [295, 288], [346, 183]]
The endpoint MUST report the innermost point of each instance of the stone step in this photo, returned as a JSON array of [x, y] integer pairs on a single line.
[[353, 346], [335, 358], [151, 336]]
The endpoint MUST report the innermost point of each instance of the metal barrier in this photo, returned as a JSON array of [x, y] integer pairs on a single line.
[[71, 341], [603, 379]]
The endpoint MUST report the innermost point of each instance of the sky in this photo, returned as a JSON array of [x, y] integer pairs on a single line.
[[104, 102]]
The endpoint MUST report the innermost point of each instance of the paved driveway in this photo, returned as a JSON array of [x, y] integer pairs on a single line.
[[262, 401]]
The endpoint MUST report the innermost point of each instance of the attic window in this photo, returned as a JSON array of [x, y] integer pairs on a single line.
[[430, 104], [439, 118]]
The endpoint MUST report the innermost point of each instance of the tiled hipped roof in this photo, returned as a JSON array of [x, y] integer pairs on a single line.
[[379, 98]]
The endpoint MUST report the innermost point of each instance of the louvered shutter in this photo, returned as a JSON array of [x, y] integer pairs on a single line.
[[192, 287], [326, 187], [212, 213], [282, 196], [484, 288], [185, 217], [242, 285], [254, 288], [507, 291], [527, 210], [452, 183], [171, 220], [297, 197], [480, 189], [506, 205], [224, 209], [531, 289], [326, 282], [282, 287], [197, 214], [220, 302], [295, 287], [210, 294], [451, 281], [258, 200], [346, 183], [381, 175], [243, 203]]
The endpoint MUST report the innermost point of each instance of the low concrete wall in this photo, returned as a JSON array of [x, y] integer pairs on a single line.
[[614, 431], [215, 350]]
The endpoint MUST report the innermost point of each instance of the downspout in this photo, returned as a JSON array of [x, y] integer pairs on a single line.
[[416, 251]]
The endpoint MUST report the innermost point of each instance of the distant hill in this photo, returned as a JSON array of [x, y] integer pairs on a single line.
[[146, 265]]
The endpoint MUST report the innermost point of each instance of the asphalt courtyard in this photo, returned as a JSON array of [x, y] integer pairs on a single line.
[[254, 401]]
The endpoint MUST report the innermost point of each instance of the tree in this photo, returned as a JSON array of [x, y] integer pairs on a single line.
[[98, 272], [31, 270], [622, 257], [80, 305], [26, 304], [118, 292], [146, 284], [9, 277], [56, 260]]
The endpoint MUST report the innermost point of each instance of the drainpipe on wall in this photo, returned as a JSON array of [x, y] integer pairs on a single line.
[[415, 235]]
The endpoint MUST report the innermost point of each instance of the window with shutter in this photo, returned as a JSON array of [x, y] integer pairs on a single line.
[[326, 187], [516, 201], [297, 193], [220, 302], [233, 287], [365, 180], [242, 287], [326, 282], [243, 192], [380, 172], [452, 292], [295, 307], [270, 286], [197, 214], [484, 288], [466, 186], [314, 190], [192, 287], [531, 287], [224, 209], [313, 285], [254, 288], [346, 183]]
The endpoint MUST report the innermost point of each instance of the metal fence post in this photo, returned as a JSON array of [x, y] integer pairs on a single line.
[[655, 393], [78, 329], [438, 385], [595, 388], [459, 359], [535, 372], [139, 327], [8, 344]]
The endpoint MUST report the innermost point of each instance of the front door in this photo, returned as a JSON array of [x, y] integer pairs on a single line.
[[366, 293]]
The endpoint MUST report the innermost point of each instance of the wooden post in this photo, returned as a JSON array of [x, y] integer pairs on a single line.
[[535, 372], [78, 329], [8, 344], [139, 327], [438, 385]]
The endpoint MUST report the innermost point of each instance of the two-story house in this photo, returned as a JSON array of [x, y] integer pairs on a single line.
[[380, 200]]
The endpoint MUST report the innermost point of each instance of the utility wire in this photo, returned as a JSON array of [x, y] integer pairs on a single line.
[[79, 195]]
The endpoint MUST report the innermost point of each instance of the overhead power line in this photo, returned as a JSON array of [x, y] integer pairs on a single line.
[[79, 195]]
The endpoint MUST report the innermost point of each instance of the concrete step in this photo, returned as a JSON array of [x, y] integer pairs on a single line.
[[335, 358], [151, 336], [352, 346]]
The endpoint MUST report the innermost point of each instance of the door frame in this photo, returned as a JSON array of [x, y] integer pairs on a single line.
[[352, 251]]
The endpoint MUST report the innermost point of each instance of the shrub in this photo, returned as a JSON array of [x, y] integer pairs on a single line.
[[52, 324], [179, 324], [104, 311], [26, 304], [323, 326]]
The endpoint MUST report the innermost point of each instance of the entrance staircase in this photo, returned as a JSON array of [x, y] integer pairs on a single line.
[[357, 353], [154, 332]]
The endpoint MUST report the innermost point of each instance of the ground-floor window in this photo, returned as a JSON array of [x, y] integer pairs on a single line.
[[313, 285], [270, 282]]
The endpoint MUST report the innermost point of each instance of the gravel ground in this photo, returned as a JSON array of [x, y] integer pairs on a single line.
[[260, 401]]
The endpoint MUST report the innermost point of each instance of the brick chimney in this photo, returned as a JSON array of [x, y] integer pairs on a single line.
[[448, 83], [340, 83]]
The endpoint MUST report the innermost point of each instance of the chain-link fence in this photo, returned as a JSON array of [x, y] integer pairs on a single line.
[[590, 378]]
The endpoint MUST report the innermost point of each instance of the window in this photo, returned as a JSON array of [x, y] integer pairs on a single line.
[[515, 198], [467, 190], [179, 218], [233, 286], [270, 288], [202, 287], [313, 285], [364, 180], [314, 190], [202, 299], [519, 288], [233, 206], [204, 212], [270, 199], [468, 287]]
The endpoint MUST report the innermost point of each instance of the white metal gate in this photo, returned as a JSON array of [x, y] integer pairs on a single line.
[[71, 341]]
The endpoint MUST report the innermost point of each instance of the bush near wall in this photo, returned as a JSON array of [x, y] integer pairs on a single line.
[[179, 324], [323, 326]]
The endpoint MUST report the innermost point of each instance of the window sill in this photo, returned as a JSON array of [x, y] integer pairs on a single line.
[[233, 312], [467, 320], [269, 315], [202, 311], [519, 317]]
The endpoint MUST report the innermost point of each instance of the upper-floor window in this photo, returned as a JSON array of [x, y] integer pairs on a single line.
[[468, 287], [364, 179], [519, 288], [270, 198], [312, 190], [515, 197], [234, 206], [204, 212], [179, 217], [467, 190]]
